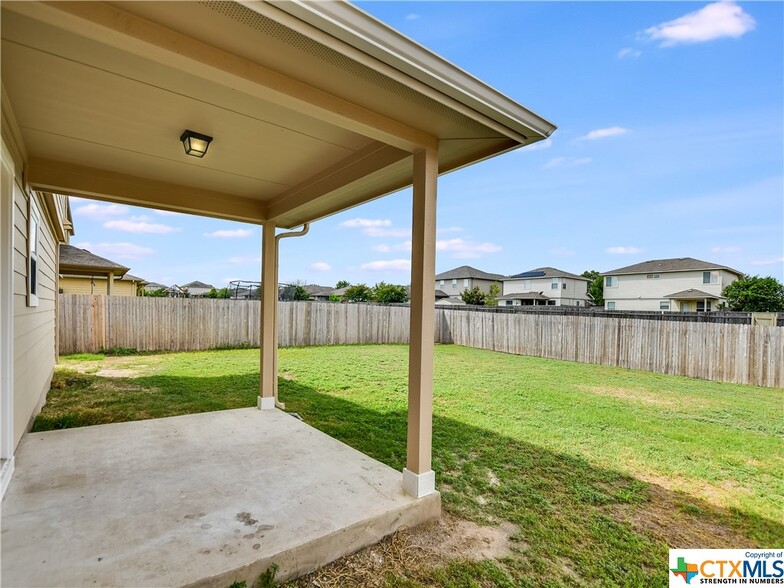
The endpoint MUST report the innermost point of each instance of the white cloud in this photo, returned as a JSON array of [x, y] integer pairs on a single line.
[[361, 223], [386, 232], [772, 261], [245, 259], [387, 265], [412, 16], [562, 252], [100, 211], [623, 250], [730, 249], [714, 21], [461, 249], [604, 133], [167, 213], [116, 251], [230, 233], [628, 52], [451, 230], [384, 248], [136, 225], [321, 266], [566, 161]]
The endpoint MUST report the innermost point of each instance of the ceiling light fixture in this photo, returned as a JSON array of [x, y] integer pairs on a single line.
[[195, 143]]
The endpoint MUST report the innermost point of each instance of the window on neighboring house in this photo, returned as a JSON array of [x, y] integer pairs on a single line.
[[554, 284], [33, 250], [454, 283], [466, 282], [664, 305], [652, 277], [610, 281], [710, 278], [551, 303], [578, 303], [611, 305], [441, 283], [703, 306], [564, 285]]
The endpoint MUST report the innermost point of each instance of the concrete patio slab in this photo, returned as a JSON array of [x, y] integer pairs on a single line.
[[202, 500]]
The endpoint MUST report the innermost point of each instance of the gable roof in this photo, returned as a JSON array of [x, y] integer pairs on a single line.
[[677, 264], [316, 290], [466, 271], [197, 284], [524, 296], [132, 278], [75, 259], [692, 294], [546, 272]]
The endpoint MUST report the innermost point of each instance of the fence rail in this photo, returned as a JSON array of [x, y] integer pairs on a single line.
[[716, 351]]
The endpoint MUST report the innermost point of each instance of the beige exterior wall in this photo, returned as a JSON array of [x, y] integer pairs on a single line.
[[456, 289], [575, 293], [638, 292], [96, 285], [34, 326]]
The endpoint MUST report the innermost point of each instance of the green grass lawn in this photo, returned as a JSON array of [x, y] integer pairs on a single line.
[[600, 469]]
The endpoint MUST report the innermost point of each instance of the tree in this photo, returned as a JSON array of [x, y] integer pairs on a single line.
[[294, 291], [358, 293], [389, 293], [157, 293], [342, 284], [492, 296], [474, 296], [595, 287], [755, 294]]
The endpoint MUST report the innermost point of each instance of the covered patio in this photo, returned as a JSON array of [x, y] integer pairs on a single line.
[[310, 108]]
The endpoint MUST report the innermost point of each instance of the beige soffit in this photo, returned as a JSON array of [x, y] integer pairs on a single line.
[[315, 107]]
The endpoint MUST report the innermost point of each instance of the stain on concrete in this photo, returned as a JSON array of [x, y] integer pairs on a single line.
[[246, 518]]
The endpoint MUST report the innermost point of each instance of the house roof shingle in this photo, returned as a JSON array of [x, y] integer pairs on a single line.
[[677, 264], [316, 290], [73, 258], [692, 294], [546, 272], [466, 271], [197, 284], [524, 296]]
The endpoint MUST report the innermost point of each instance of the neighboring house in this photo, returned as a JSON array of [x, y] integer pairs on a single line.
[[545, 286], [32, 225], [455, 281], [681, 284], [153, 286], [83, 272], [196, 289], [319, 293]]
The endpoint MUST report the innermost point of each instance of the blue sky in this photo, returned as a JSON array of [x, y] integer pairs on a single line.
[[670, 144]]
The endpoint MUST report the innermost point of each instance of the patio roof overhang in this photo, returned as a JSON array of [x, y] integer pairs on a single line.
[[314, 106]]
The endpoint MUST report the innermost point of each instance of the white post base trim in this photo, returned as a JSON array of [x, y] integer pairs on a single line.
[[266, 403], [5, 474], [419, 485]]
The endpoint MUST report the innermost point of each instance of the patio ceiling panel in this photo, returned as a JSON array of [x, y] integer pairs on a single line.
[[307, 121]]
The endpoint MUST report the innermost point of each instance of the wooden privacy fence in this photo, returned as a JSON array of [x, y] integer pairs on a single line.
[[723, 352]]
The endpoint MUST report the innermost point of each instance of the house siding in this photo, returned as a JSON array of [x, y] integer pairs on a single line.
[[575, 293], [34, 326], [636, 292], [74, 285], [484, 286]]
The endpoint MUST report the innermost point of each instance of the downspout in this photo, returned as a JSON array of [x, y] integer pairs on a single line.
[[301, 233]]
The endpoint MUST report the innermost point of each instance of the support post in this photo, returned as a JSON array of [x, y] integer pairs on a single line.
[[418, 476], [110, 284], [268, 338]]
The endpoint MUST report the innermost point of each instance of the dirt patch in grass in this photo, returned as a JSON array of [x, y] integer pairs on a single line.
[[632, 394], [678, 523], [412, 553]]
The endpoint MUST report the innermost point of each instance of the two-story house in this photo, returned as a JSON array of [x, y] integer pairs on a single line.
[[545, 286], [465, 277], [681, 284]]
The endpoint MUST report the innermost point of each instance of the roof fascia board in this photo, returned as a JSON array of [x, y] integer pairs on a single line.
[[371, 36], [117, 28], [674, 271], [78, 180]]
